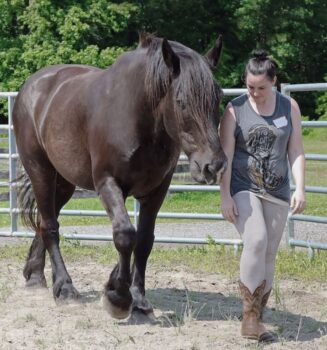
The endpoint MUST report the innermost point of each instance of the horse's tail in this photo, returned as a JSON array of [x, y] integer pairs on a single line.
[[27, 202]]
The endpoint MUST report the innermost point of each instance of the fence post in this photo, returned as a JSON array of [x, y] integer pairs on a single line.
[[290, 222], [12, 167], [136, 212]]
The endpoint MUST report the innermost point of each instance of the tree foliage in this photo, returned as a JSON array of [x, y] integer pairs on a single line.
[[51, 32], [37, 33]]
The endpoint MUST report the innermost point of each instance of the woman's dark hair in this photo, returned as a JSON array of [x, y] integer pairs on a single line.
[[261, 63]]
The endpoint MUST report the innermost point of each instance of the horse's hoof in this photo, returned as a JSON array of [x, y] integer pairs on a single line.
[[65, 291], [36, 281], [145, 307], [119, 307], [140, 303]]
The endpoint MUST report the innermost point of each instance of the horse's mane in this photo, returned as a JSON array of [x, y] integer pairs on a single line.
[[195, 88]]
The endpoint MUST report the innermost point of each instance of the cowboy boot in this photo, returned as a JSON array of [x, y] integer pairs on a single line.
[[252, 327], [264, 302]]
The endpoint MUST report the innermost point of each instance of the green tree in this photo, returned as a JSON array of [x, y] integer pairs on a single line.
[[44, 32], [34, 34], [294, 32]]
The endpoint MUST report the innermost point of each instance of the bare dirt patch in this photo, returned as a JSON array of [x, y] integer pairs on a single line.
[[192, 310]]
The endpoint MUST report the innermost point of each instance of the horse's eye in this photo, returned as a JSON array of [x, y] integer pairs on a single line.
[[181, 104]]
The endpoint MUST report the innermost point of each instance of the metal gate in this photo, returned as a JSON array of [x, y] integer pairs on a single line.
[[13, 211]]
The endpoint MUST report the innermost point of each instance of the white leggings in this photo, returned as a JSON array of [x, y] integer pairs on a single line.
[[261, 224]]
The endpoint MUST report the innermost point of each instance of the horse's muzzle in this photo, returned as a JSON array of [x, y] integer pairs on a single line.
[[213, 171], [209, 172]]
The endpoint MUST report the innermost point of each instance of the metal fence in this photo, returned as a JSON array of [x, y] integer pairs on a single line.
[[13, 211]]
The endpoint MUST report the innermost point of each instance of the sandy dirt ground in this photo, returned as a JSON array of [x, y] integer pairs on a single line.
[[192, 311]]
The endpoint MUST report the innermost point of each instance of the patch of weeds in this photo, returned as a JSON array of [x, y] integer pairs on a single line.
[[113, 335], [14, 252], [40, 344], [189, 312], [74, 250], [227, 315], [210, 258], [5, 291], [257, 345], [74, 243], [29, 318], [297, 264], [279, 300], [84, 324]]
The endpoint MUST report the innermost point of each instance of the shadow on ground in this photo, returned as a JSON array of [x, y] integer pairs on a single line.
[[179, 305]]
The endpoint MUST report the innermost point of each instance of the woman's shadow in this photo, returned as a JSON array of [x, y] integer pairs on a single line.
[[177, 305]]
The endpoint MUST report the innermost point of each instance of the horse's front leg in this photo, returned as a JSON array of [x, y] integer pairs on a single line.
[[117, 296], [149, 208]]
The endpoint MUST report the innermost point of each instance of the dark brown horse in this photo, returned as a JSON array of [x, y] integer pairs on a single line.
[[117, 131]]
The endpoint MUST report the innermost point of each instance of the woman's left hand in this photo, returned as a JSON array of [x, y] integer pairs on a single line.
[[298, 202]]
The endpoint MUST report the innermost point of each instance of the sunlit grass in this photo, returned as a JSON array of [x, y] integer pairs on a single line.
[[315, 141], [210, 258]]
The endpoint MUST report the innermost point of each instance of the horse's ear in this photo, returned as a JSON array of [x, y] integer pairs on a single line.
[[145, 39], [170, 58], [213, 54]]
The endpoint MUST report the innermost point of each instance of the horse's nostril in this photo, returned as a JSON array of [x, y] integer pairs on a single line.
[[219, 165], [207, 169], [210, 173], [210, 170], [213, 168]]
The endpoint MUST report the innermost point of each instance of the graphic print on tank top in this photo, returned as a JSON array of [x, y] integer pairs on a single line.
[[260, 144]]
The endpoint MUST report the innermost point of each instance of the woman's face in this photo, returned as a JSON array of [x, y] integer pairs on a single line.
[[259, 86]]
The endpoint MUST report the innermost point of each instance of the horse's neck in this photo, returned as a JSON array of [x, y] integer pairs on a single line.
[[166, 119]]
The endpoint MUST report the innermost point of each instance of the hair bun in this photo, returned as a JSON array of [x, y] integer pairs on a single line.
[[260, 55]]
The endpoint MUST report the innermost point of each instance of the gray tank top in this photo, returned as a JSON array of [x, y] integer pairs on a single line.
[[260, 161]]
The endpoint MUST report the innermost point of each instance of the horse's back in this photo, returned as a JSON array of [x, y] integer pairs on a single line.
[[38, 90], [48, 117], [44, 83]]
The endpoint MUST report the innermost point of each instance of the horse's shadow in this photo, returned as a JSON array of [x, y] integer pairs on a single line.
[[179, 305]]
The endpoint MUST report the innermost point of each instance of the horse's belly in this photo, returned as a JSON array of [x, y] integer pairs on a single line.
[[74, 166]]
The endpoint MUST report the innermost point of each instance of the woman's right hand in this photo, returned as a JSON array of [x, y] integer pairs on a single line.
[[229, 209]]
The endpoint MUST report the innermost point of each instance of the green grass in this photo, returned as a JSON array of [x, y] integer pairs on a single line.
[[315, 141], [188, 202], [208, 259]]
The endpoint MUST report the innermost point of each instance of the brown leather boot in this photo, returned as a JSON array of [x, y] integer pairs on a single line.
[[252, 327], [264, 302]]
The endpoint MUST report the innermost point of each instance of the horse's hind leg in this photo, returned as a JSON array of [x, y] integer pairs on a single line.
[[44, 180], [149, 208], [34, 267]]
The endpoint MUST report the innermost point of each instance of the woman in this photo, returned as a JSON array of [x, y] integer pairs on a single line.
[[258, 131]]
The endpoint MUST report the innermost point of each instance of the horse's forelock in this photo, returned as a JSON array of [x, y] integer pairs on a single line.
[[157, 77], [145, 39], [194, 88], [197, 89]]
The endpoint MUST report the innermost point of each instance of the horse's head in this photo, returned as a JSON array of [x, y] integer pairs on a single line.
[[187, 96]]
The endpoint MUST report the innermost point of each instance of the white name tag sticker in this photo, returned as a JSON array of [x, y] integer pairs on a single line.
[[280, 122]]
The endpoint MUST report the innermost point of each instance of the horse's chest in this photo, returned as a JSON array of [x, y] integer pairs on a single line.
[[149, 169]]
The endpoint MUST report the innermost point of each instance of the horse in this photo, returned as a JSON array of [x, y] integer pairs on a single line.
[[118, 131]]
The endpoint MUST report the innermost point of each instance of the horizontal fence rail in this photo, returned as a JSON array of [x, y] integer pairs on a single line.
[[13, 211]]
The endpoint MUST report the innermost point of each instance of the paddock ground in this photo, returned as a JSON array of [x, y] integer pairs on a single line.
[[192, 310]]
